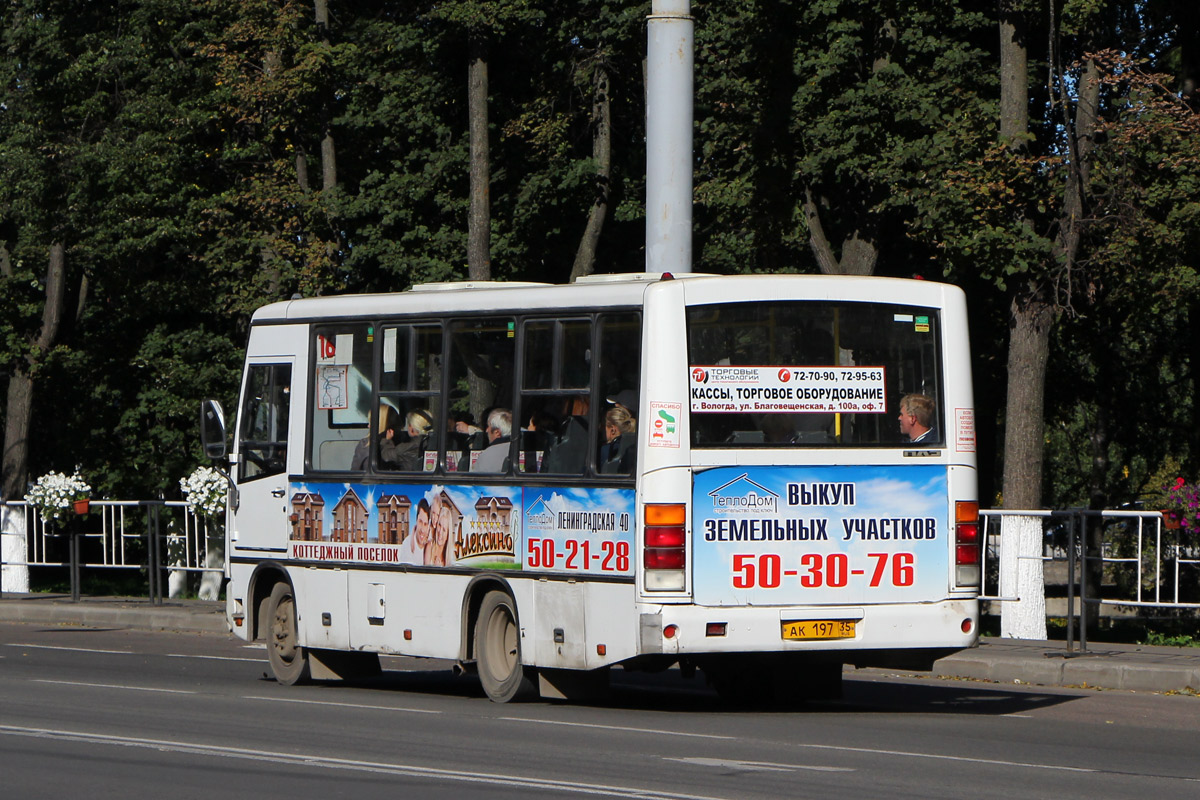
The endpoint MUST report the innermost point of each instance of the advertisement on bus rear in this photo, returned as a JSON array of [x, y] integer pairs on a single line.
[[820, 535], [787, 390]]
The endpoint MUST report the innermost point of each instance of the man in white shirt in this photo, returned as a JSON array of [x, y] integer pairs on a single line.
[[499, 432]]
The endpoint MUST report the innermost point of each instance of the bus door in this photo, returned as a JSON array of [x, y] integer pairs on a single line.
[[260, 521]]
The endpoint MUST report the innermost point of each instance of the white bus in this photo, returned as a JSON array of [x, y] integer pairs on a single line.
[[436, 473]]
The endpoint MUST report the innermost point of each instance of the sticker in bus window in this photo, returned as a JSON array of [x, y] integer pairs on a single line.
[[664, 424], [333, 390], [788, 390], [921, 324], [389, 349], [964, 430]]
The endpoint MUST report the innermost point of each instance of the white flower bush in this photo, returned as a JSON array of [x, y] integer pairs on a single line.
[[204, 491], [54, 493]]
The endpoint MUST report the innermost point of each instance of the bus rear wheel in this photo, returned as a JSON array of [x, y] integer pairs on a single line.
[[289, 661], [498, 649]]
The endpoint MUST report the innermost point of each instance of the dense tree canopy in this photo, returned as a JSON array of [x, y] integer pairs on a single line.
[[166, 166]]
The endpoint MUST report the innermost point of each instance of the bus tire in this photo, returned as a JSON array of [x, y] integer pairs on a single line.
[[498, 650], [288, 660]]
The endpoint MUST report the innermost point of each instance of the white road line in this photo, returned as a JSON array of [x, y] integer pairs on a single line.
[[938, 757], [115, 686], [995, 762], [654, 731], [217, 658], [127, 652], [75, 649], [342, 705], [757, 766], [326, 762]]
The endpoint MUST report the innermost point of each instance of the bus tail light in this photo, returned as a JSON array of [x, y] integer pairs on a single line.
[[664, 555], [967, 543]]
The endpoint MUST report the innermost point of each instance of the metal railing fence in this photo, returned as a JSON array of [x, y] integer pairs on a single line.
[[155, 535], [1119, 558]]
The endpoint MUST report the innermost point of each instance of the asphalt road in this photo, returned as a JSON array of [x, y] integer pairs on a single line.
[[128, 714]]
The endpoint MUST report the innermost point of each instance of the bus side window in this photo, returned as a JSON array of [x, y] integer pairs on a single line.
[[556, 396], [341, 398], [620, 371], [263, 439], [410, 378], [481, 370]]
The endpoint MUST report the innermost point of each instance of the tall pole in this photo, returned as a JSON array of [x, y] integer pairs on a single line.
[[669, 34]]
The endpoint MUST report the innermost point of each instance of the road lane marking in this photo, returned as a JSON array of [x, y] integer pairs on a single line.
[[75, 649], [114, 686], [129, 652], [654, 731], [327, 762], [998, 762], [940, 757], [342, 705], [757, 766]]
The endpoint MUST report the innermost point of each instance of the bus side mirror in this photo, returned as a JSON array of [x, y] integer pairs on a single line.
[[212, 429]]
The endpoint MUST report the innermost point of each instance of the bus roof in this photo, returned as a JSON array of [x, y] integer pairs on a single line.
[[626, 289]]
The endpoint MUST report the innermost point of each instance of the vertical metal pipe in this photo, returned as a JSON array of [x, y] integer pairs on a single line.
[[73, 549], [1072, 533], [670, 35], [1083, 595]]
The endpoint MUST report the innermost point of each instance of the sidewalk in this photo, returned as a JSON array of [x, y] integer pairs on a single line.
[[138, 613], [1042, 663]]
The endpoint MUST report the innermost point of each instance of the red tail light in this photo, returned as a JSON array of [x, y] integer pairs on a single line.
[[967, 543], [664, 558], [664, 555]]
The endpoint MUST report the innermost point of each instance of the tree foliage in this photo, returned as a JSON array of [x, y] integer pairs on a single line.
[[194, 159]]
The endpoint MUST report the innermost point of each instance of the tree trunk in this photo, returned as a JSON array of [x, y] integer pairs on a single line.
[[859, 252], [19, 409], [1014, 75], [1031, 315], [18, 413], [479, 257], [585, 256], [328, 151]]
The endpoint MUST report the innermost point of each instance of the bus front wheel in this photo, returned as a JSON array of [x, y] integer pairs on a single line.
[[498, 649], [289, 662]]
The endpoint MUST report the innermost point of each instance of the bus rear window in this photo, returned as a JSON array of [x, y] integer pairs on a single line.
[[814, 373]]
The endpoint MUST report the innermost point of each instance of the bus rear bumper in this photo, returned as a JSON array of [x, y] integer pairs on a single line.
[[908, 636]]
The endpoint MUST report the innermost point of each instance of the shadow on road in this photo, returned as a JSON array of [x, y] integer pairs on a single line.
[[670, 692]]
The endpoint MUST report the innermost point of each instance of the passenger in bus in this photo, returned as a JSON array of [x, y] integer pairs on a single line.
[[388, 421], [413, 549], [778, 429], [620, 431], [916, 418], [568, 453], [406, 455], [626, 399], [499, 432]]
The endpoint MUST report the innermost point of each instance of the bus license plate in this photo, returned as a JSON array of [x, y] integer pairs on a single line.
[[819, 629]]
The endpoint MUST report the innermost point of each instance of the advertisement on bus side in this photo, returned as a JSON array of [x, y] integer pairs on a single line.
[[820, 535], [574, 530]]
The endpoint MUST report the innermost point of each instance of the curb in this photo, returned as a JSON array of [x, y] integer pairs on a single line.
[[1128, 668], [195, 617]]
